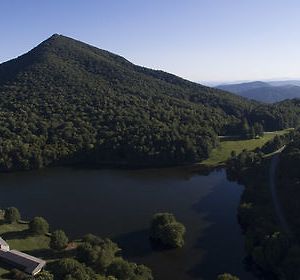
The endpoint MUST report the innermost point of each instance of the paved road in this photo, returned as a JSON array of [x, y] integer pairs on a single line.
[[277, 205]]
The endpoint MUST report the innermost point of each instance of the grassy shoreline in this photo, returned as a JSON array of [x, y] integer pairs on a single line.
[[220, 154], [16, 235]]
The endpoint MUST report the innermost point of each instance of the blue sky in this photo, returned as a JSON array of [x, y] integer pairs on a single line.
[[202, 40]]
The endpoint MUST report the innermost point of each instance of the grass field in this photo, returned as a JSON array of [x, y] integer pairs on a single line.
[[223, 152], [16, 235]]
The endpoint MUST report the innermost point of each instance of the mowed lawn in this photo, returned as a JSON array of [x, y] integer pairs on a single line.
[[18, 237], [223, 152]]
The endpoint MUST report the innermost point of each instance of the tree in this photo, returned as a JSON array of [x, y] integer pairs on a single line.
[[162, 219], [233, 154], [275, 248], [259, 129], [97, 252], [92, 239], [12, 215], [227, 276], [143, 272], [167, 231], [252, 133], [121, 269], [44, 275], [245, 214], [172, 234], [39, 226], [245, 128], [59, 240], [71, 269]]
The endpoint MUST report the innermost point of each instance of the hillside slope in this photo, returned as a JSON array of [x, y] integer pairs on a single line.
[[69, 102]]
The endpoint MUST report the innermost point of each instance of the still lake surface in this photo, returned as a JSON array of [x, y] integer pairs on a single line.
[[120, 203]]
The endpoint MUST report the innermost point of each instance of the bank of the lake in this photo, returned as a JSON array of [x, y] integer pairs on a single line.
[[120, 203], [229, 144]]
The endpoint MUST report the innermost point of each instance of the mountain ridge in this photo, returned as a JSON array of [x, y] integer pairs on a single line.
[[267, 92]]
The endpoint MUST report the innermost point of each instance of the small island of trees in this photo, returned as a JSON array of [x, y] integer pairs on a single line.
[[167, 231]]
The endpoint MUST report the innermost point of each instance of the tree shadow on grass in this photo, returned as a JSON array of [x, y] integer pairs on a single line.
[[16, 234], [49, 254]]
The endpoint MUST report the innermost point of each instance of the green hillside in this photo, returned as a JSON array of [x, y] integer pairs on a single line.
[[68, 102]]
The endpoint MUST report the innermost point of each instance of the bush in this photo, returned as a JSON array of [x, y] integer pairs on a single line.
[[97, 252], [12, 215], [172, 235], [101, 254], [122, 269], [39, 226], [167, 231], [44, 275], [92, 239], [68, 269], [59, 240]]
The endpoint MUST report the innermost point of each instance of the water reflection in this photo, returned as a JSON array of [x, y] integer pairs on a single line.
[[120, 203]]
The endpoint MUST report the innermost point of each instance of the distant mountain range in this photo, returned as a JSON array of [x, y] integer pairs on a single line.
[[285, 83], [268, 92]]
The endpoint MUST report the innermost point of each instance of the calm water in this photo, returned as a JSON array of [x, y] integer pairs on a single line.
[[120, 204]]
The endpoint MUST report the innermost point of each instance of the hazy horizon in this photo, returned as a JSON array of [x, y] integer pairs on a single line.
[[204, 41], [216, 83]]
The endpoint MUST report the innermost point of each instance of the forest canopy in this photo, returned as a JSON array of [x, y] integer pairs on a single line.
[[66, 102]]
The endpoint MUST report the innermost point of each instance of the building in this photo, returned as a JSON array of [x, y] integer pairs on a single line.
[[29, 264], [3, 245]]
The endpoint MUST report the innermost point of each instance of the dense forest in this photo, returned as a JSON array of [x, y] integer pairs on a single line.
[[273, 251], [289, 180], [66, 102]]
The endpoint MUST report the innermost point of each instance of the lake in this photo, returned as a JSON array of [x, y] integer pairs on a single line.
[[120, 203]]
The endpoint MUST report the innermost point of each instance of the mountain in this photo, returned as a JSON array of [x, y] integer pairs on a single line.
[[264, 92], [285, 83], [241, 87], [66, 102], [272, 94]]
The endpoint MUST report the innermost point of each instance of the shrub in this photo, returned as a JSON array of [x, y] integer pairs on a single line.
[[39, 226], [166, 230], [59, 240], [12, 215]]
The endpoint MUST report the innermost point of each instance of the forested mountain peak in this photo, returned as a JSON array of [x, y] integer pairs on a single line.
[[64, 61], [59, 49], [67, 101]]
